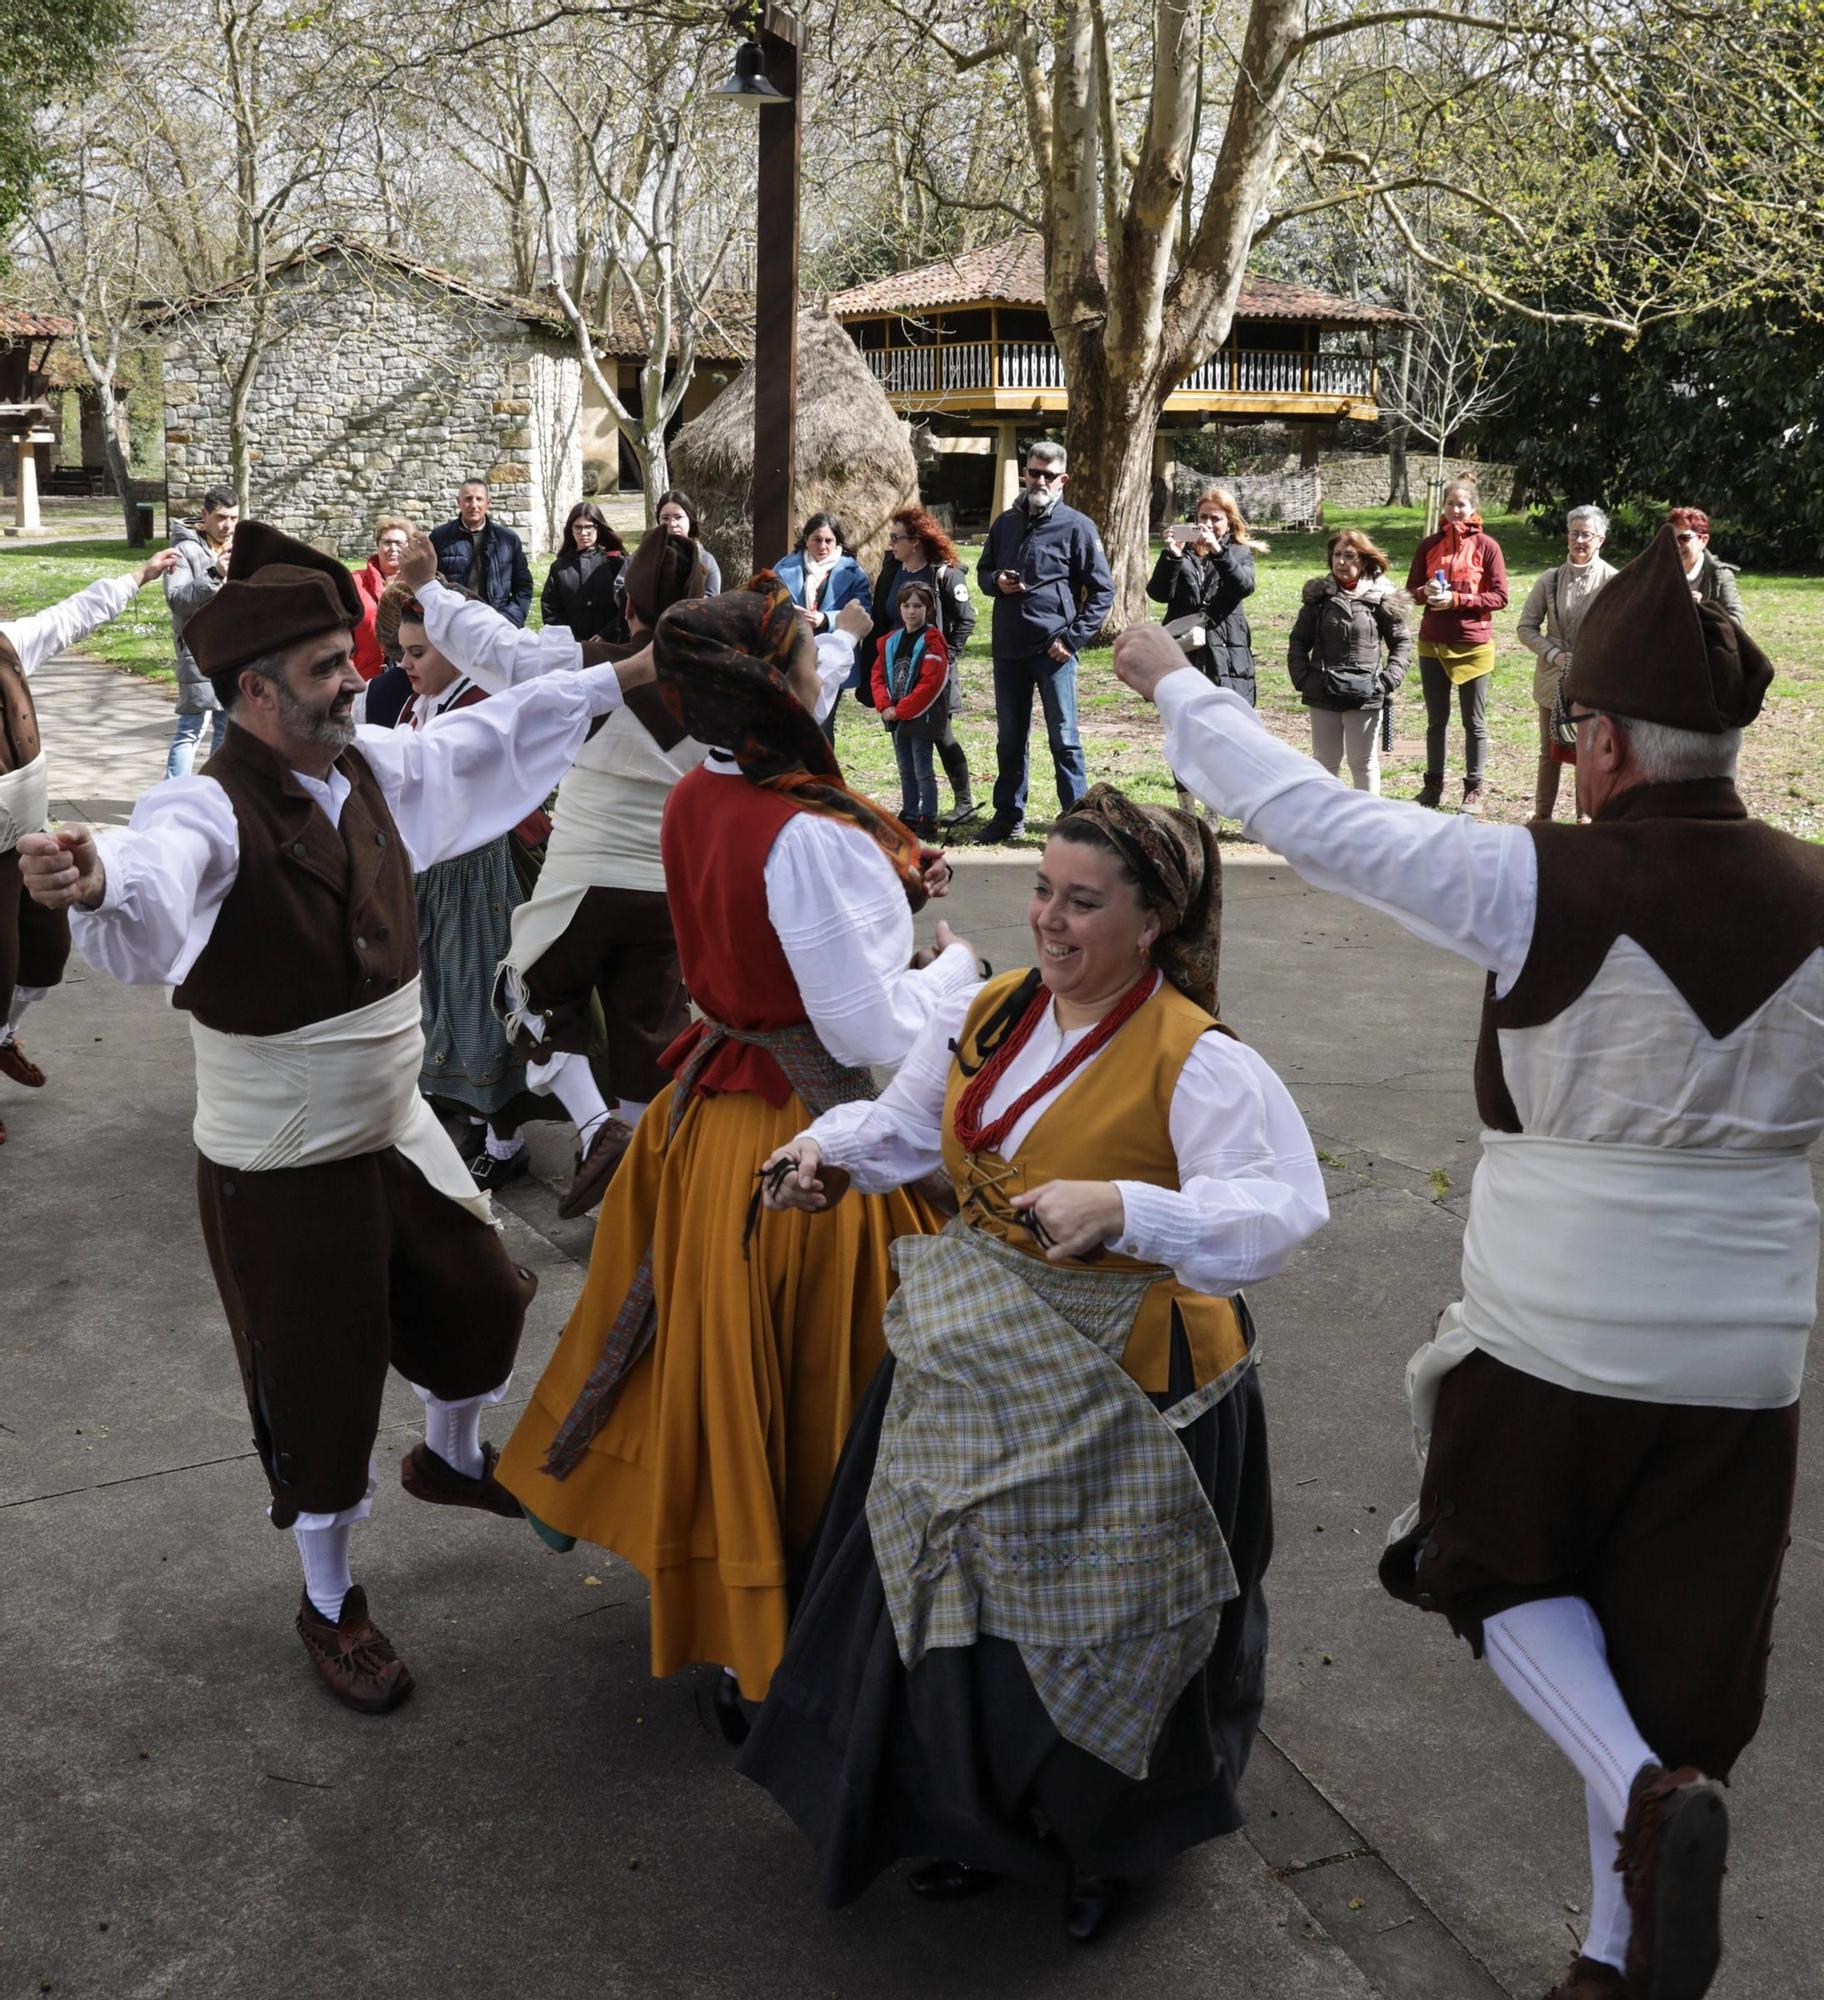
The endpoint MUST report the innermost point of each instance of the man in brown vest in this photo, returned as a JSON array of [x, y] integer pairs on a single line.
[[1609, 1415], [35, 943], [274, 893]]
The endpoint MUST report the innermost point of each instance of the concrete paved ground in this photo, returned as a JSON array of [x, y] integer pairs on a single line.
[[184, 1811]]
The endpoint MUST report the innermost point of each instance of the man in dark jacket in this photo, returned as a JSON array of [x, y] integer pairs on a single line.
[[477, 553], [1043, 565]]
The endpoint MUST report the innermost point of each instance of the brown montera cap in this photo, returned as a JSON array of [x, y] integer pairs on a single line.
[[1648, 650], [278, 592]]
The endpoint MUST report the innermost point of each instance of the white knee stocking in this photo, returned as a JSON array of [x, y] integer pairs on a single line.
[[1551, 1658], [569, 1077], [23, 997], [629, 1112], [326, 1577], [453, 1430]]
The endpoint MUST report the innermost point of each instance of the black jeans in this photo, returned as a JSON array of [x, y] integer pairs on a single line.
[[1472, 700]]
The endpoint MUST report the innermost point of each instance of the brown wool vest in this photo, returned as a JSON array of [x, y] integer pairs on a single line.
[[1110, 1123], [321, 919], [18, 715], [1726, 906]]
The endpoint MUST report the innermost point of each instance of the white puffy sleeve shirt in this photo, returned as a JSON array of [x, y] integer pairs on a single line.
[[1449, 879], [479, 772], [46, 633], [1249, 1191]]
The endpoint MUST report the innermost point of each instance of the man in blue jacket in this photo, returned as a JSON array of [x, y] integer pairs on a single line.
[[479, 554], [1044, 568]]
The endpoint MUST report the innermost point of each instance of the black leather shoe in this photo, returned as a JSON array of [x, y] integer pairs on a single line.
[[1000, 830], [489, 1173], [731, 1715], [1089, 1903], [943, 1881]]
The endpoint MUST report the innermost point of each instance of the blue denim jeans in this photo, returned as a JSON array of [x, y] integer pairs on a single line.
[[917, 775], [1056, 684], [183, 758]]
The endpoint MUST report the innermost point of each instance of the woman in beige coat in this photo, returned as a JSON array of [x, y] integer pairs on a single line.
[[1549, 620]]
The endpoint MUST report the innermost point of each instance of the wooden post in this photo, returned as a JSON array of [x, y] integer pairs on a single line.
[[26, 518], [776, 294], [1006, 467]]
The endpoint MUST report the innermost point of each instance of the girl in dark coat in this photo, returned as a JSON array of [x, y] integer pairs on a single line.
[[1350, 648], [1203, 576], [584, 591]]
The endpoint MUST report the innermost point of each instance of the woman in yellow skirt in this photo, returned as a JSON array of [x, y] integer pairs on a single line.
[[695, 1408]]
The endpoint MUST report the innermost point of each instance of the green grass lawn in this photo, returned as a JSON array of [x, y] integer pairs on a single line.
[[1782, 764]]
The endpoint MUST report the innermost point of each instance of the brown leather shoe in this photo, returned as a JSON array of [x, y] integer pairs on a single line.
[[355, 1658], [1590, 1979], [14, 1062], [426, 1476], [595, 1169], [1673, 1849]]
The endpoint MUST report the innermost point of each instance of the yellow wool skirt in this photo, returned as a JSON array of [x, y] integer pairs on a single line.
[[712, 1467]]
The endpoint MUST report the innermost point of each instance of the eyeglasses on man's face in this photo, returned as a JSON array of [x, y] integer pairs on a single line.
[[1047, 473]]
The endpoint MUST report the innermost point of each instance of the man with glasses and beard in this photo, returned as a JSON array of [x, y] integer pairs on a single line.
[[1044, 568], [273, 892]]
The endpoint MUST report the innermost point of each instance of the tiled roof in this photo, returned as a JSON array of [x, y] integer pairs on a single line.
[[20, 323], [1012, 272], [727, 337]]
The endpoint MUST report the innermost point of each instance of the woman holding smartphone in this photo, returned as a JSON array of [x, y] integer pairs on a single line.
[[1203, 576]]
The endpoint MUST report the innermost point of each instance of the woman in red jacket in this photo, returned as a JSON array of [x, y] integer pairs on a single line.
[[391, 533], [1459, 576], [912, 697]]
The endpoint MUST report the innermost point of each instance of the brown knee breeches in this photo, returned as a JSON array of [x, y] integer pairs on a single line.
[[619, 944], [34, 941], [328, 1274], [1671, 1521]]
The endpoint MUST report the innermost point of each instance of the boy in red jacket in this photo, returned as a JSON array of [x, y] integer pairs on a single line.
[[911, 696]]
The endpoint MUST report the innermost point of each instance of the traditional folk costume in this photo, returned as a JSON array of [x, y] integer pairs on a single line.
[[595, 926], [1612, 1407], [34, 942], [693, 1413], [1033, 1633], [343, 1228]]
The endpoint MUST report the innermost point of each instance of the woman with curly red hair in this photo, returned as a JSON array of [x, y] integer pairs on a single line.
[[918, 551]]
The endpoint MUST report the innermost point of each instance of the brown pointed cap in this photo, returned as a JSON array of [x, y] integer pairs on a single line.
[[278, 591], [1648, 650]]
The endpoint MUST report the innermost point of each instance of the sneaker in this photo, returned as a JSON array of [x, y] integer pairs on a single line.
[[489, 1173], [14, 1062], [1431, 793], [354, 1657], [1000, 831]]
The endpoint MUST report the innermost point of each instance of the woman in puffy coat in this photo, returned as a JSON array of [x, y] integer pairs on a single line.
[[585, 591], [1203, 576], [822, 575], [1350, 648]]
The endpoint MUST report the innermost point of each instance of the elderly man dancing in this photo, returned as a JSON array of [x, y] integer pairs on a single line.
[[274, 893], [1612, 1407]]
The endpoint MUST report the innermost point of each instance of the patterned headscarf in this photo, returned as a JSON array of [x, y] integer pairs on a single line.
[[1174, 858], [722, 665]]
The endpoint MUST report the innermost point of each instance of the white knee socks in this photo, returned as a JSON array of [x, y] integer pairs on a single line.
[[23, 997], [1551, 1658], [326, 1577], [629, 1112], [568, 1075], [453, 1430]]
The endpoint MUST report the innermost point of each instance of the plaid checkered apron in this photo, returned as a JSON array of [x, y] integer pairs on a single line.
[[1027, 1488], [820, 1082]]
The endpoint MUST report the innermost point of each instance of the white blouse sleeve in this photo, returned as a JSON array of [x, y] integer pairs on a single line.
[[835, 661], [842, 920], [1451, 880], [46, 633], [482, 769], [490, 648], [1249, 1186], [165, 874], [899, 1136]]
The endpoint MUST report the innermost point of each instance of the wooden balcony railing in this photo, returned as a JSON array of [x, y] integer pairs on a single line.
[[987, 365]]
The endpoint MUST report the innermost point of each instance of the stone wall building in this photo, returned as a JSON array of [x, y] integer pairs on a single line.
[[380, 385]]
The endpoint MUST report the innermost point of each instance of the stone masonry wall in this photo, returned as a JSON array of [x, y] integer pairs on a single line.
[[379, 393]]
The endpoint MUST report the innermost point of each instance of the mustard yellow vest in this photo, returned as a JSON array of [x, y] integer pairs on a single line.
[[1112, 1122]]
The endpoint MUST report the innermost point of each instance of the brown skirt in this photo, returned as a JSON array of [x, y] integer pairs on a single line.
[[1672, 1522]]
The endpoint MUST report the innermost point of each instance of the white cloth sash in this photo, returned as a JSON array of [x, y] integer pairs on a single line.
[[25, 802], [333, 1090], [1657, 1274]]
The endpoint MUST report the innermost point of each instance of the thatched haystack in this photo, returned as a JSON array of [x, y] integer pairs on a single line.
[[854, 454]]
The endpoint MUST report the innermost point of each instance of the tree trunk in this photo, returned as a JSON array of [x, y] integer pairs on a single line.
[[1112, 427], [1399, 472], [109, 408]]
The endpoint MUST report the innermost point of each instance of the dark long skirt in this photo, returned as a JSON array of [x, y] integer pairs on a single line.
[[958, 1757]]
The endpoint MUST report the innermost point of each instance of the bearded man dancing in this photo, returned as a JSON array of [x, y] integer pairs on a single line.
[[1612, 1407], [274, 893], [35, 943]]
